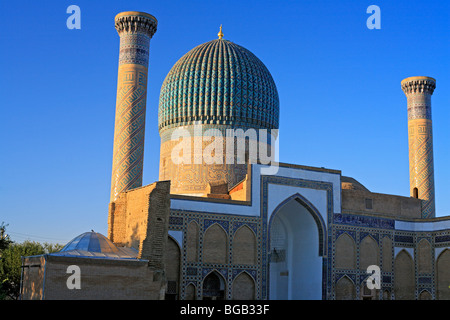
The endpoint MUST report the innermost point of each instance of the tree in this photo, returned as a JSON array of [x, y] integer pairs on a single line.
[[11, 262], [5, 241], [4, 238]]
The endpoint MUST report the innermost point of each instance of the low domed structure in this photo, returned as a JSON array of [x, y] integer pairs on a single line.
[[95, 245]]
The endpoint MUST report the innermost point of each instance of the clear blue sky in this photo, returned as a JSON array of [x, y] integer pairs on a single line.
[[341, 103]]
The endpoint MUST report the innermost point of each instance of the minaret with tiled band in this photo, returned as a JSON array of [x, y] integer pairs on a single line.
[[418, 91], [135, 30]]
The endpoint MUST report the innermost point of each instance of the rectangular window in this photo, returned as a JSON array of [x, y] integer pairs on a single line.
[[369, 204]]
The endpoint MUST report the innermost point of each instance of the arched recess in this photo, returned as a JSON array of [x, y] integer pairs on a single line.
[[192, 238], [404, 280], [244, 246], [243, 287], [172, 265], [386, 247], [345, 252], [213, 286], [215, 245], [424, 256], [443, 275], [369, 253], [190, 292], [425, 295], [296, 262], [366, 293], [345, 289]]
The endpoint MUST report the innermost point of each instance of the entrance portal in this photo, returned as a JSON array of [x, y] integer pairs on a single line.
[[297, 244]]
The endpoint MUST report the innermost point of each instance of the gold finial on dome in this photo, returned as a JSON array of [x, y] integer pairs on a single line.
[[220, 34]]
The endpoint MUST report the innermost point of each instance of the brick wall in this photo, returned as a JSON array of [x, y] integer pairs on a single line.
[[101, 279], [139, 218], [354, 201], [33, 278]]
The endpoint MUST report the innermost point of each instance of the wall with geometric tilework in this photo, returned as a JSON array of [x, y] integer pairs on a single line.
[[400, 247], [245, 238], [230, 242]]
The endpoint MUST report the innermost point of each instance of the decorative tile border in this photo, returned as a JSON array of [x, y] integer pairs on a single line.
[[356, 226], [295, 182]]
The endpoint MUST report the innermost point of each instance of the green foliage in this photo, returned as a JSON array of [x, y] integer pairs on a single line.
[[5, 241], [11, 254]]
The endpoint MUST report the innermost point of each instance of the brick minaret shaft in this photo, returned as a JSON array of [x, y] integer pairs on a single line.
[[418, 91], [135, 30]]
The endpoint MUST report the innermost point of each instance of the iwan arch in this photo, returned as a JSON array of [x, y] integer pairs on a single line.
[[297, 237], [233, 231]]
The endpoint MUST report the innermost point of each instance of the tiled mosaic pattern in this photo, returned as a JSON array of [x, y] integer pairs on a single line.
[[219, 82], [128, 154], [418, 91], [421, 164], [357, 226], [194, 273], [399, 239]]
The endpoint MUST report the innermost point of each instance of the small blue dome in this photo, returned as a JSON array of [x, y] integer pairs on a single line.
[[91, 242], [95, 245]]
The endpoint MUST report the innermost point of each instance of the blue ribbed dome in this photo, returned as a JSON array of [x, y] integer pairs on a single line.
[[91, 242], [95, 245], [221, 83]]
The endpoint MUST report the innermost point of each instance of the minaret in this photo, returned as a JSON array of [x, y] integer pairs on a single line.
[[135, 30], [418, 91]]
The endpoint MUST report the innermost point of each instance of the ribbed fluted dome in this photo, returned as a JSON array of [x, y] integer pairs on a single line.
[[92, 242], [95, 245], [219, 82]]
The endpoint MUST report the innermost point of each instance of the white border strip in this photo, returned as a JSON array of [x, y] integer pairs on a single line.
[[422, 226]]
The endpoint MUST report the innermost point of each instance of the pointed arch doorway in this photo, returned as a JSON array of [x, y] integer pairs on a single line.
[[297, 239], [213, 287]]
